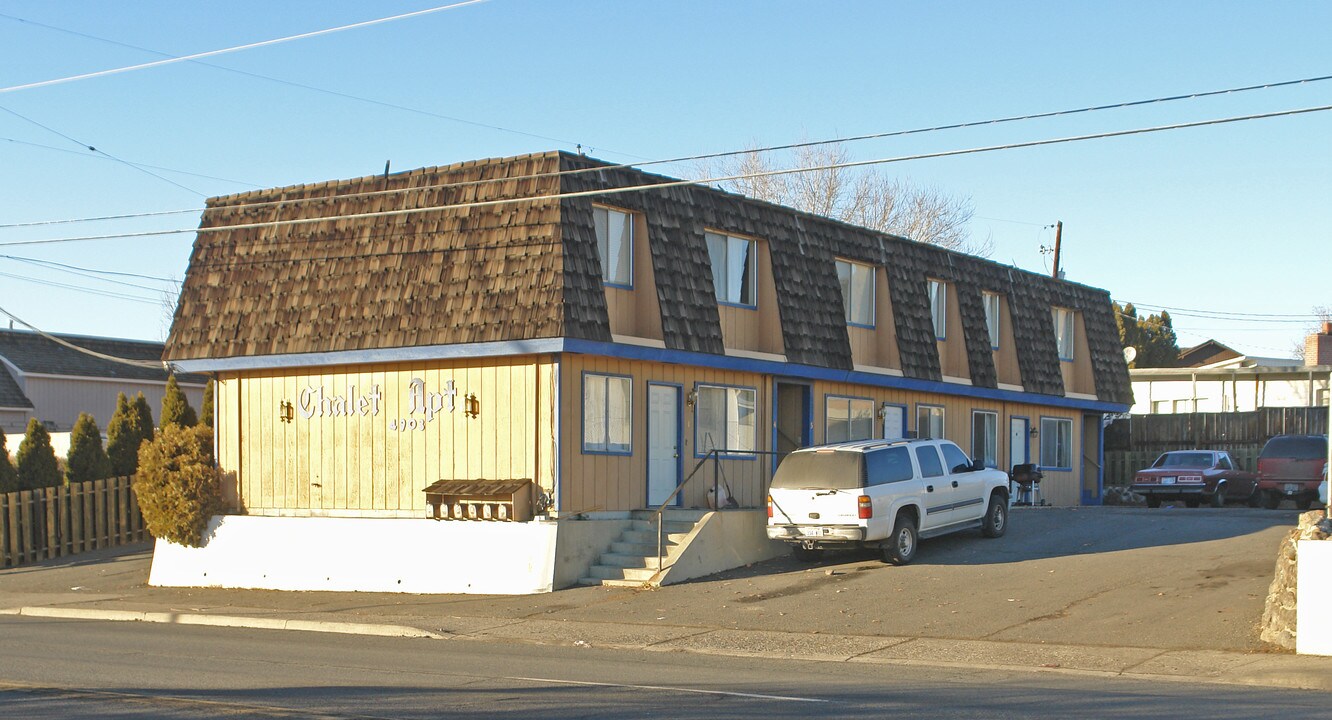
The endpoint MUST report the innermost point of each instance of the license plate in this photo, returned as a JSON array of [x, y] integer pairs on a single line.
[[1292, 488], [1167, 481], [816, 531]]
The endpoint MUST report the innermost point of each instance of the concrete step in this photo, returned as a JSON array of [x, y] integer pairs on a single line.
[[607, 572], [610, 583], [644, 549], [650, 538], [624, 560], [680, 514], [671, 526]]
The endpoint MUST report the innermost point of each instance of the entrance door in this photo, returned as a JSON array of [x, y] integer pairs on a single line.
[[1019, 430], [663, 455], [792, 420]]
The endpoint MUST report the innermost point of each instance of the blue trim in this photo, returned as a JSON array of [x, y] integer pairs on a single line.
[[679, 440], [742, 306], [542, 346], [1099, 495], [806, 414], [582, 426], [618, 286], [810, 372], [836, 396], [859, 325], [1026, 439], [1040, 450], [727, 456]]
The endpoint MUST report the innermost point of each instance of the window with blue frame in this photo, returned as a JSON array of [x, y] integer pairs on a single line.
[[847, 418], [985, 437], [929, 421], [725, 419], [991, 302], [615, 245], [734, 268], [857, 282], [607, 414], [1057, 443], [1063, 327]]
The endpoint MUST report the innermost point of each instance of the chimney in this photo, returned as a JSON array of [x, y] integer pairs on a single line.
[[1318, 347]]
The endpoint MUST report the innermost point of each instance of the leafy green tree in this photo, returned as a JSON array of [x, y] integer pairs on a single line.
[[143, 417], [8, 475], [87, 460], [206, 412], [176, 408], [178, 487], [1152, 336], [123, 438], [37, 466]]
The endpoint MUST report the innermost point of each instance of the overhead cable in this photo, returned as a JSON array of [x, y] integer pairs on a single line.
[[159, 365], [706, 156], [601, 192]]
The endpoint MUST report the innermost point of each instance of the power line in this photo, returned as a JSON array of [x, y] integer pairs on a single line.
[[102, 152], [313, 88], [83, 272], [1220, 314], [52, 263], [159, 365], [236, 48], [601, 192], [708, 156], [80, 288], [103, 156]]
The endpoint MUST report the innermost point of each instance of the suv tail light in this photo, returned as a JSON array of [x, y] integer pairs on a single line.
[[769, 506], [864, 509]]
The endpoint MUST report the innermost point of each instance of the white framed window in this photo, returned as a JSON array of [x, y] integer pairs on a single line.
[[929, 421], [1057, 443], [939, 308], [991, 302], [608, 413], [847, 418], [1063, 327], [857, 282], [985, 437], [615, 245], [725, 418], [734, 268]]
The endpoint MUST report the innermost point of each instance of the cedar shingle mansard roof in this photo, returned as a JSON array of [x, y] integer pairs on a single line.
[[529, 270]]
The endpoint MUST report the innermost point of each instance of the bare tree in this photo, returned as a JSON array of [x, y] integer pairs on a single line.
[[854, 195], [1322, 314]]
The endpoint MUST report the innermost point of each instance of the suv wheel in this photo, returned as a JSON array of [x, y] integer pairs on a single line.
[[1303, 503], [900, 549], [1271, 500], [996, 517]]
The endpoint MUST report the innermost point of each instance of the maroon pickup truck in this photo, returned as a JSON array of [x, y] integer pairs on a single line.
[[1194, 476]]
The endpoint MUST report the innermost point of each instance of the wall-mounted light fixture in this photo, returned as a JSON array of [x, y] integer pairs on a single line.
[[286, 411], [1032, 432], [883, 412], [471, 406], [692, 398]]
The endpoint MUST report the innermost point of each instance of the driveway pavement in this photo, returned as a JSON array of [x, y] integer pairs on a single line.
[[1170, 593]]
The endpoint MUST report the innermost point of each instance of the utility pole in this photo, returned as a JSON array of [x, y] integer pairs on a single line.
[[1059, 232]]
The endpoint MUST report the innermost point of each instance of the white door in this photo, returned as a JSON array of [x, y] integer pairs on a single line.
[[663, 443], [894, 422], [1018, 442]]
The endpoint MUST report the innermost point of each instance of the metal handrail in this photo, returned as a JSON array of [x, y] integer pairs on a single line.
[[715, 455]]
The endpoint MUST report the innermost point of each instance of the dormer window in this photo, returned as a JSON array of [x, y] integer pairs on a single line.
[[939, 308], [615, 245], [734, 266], [857, 282], [991, 302], [1063, 328]]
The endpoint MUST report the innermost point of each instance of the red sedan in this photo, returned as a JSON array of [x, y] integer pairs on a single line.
[[1194, 476]]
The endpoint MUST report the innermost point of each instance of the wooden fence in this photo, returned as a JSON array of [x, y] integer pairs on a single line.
[[1182, 431], [53, 522]]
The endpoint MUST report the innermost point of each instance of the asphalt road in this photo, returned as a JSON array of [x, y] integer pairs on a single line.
[[74, 669]]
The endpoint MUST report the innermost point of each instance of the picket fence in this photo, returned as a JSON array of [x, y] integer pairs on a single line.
[[54, 522]]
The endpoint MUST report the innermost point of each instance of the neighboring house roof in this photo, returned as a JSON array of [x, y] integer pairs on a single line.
[[1205, 353], [11, 395], [527, 270], [35, 354]]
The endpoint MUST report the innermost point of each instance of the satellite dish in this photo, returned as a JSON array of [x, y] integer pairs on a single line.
[[1130, 353]]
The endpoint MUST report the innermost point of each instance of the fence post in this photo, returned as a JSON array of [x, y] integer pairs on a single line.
[[6, 502], [99, 513], [62, 506], [52, 530], [122, 507]]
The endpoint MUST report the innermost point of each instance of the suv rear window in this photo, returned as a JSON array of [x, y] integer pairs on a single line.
[[1295, 447], [826, 470]]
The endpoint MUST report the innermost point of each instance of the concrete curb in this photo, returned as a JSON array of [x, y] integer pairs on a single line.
[[225, 621]]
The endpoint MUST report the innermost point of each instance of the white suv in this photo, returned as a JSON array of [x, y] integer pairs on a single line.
[[884, 494]]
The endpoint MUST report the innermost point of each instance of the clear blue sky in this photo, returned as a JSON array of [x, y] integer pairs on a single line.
[[1226, 219]]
